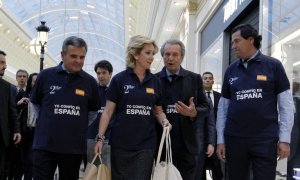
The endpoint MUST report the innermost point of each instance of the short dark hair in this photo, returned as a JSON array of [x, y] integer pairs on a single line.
[[207, 72], [3, 53], [22, 71], [247, 31], [73, 41], [104, 64]]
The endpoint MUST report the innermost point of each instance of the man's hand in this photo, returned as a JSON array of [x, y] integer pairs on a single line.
[[210, 150], [17, 138], [221, 152], [186, 110], [283, 150], [24, 100]]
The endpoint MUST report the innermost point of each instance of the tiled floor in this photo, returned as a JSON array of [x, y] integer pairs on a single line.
[[280, 172]]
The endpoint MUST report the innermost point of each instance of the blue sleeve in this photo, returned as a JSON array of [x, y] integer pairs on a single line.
[[226, 87], [221, 119], [282, 81], [286, 115], [37, 90], [112, 91]]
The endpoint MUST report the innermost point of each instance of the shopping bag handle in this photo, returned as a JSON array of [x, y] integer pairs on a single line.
[[94, 159], [163, 137]]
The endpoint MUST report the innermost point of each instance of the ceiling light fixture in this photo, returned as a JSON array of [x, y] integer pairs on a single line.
[[74, 17], [90, 6], [43, 38]]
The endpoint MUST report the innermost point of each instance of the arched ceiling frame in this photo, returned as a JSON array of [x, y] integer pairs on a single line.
[[100, 23]]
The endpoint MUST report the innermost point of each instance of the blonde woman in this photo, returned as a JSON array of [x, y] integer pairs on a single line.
[[135, 96]]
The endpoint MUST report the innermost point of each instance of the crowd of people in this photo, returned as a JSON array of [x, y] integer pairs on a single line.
[[63, 115]]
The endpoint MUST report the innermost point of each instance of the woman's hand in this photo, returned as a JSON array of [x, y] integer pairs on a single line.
[[166, 123], [98, 147]]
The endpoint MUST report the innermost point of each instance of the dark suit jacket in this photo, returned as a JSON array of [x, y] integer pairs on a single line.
[[217, 97], [8, 114], [22, 110], [210, 133], [191, 87]]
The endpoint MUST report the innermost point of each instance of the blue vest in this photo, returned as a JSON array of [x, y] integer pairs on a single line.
[[253, 94]]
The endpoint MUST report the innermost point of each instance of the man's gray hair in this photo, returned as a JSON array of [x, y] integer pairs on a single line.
[[173, 42]]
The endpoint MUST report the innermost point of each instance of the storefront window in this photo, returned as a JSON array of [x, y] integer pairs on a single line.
[[211, 60], [280, 29]]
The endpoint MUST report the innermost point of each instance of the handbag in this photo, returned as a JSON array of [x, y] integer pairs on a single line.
[[96, 170], [32, 116], [165, 170]]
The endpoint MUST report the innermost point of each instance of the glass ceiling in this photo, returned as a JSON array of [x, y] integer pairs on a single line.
[[99, 22]]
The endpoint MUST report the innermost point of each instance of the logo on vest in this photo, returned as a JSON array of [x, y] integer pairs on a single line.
[[127, 88], [138, 110], [249, 94], [231, 80], [54, 88], [67, 109]]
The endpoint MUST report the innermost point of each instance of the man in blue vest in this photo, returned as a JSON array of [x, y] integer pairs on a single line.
[[255, 91], [66, 97]]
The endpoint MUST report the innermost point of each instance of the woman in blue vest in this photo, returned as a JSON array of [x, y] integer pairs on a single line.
[[135, 95]]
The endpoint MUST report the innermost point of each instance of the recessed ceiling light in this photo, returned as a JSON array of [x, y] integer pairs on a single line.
[[74, 17], [90, 6], [168, 30], [84, 12]]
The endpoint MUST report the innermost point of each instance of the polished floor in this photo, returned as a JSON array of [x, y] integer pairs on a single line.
[[281, 169]]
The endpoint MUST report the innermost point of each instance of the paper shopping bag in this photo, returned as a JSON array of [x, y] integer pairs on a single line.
[[165, 170], [96, 170]]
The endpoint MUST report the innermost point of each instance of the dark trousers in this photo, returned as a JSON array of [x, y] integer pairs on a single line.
[[27, 140], [15, 161], [2, 160], [201, 160], [294, 159], [261, 153], [133, 165], [185, 163], [45, 164], [214, 165]]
